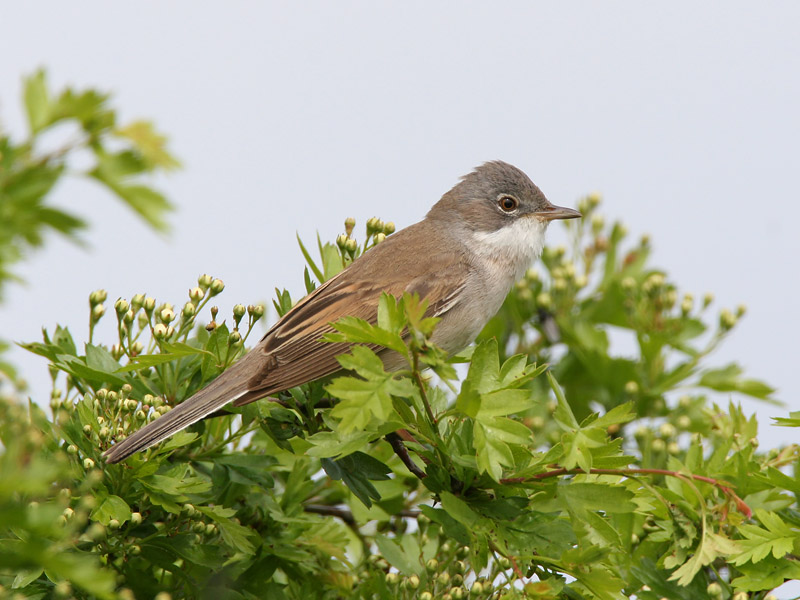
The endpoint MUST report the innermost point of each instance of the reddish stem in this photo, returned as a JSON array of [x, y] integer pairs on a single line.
[[724, 487]]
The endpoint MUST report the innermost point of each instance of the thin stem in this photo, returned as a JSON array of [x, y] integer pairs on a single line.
[[724, 487]]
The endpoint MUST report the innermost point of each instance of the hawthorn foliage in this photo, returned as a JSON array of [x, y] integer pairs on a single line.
[[540, 463]]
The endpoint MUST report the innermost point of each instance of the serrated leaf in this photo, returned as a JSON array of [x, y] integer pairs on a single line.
[[363, 399], [236, 536], [712, 546], [111, 507]]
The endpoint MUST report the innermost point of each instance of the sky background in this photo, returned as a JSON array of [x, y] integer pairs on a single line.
[[288, 117]]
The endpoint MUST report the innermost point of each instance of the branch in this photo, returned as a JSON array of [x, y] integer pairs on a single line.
[[402, 452], [723, 486]]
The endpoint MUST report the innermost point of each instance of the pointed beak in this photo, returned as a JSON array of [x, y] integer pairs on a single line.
[[551, 213]]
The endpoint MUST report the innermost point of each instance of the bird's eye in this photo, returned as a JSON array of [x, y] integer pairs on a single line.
[[508, 203]]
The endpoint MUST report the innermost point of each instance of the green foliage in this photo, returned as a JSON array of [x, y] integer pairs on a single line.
[[31, 169], [553, 467]]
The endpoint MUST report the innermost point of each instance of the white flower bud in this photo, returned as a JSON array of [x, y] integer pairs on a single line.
[[216, 287], [544, 300], [97, 297], [160, 331], [167, 315], [204, 281], [121, 306], [98, 310]]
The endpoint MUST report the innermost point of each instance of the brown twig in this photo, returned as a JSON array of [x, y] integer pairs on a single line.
[[723, 486], [346, 516], [402, 452]]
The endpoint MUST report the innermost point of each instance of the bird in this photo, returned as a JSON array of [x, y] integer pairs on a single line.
[[463, 258]]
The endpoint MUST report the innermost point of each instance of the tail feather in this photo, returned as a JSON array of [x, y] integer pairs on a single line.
[[225, 388]]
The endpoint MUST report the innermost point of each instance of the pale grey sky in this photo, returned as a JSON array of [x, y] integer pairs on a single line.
[[289, 117]]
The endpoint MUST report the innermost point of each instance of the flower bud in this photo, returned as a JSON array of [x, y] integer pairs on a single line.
[[117, 351], [670, 298], [476, 589], [372, 225], [379, 237], [88, 463], [628, 283], [160, 331], [714, 589], [137, 302], [727, 320], [188, 311], [392, 578], [432, 565], [708, 298], [684, 422], [581, 281], [673, 448], [235, 337], [741, 310], [658, 445], [128, 318], [211, 529], [256, 311], [412, 582], [560, 284], [149, 305], [137, 348], [97, 297], [667, 430], [544, 300], [532, 275], [196, 294], [238, 312], [204, 281], [216, 287], [349, 224], [631, 387], [167, 315], [598, 222], [121, 306], [351, 245], [98, 311], [388, 228], [341, 240]]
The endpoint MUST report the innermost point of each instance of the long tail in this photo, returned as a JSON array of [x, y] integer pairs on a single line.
[[231, 385]]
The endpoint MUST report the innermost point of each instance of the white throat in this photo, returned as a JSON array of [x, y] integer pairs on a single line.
[[514, 246]]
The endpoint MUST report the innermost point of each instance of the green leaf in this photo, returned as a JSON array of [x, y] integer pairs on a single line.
[[312, 265], [397, 557], [563, 414], [37, 102], [582, 497], [236, 536], [355, 471], [363, 399], [169, 353], [727, 379], [111, 507], [777, 539], [711, 547], [459, 510]]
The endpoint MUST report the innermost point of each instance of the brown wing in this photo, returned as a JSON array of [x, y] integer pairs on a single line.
[[292, 349]]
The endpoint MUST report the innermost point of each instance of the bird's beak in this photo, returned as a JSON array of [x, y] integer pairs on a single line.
[[551, 213]]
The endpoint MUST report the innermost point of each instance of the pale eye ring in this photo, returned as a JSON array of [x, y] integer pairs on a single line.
[[507, 203]]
